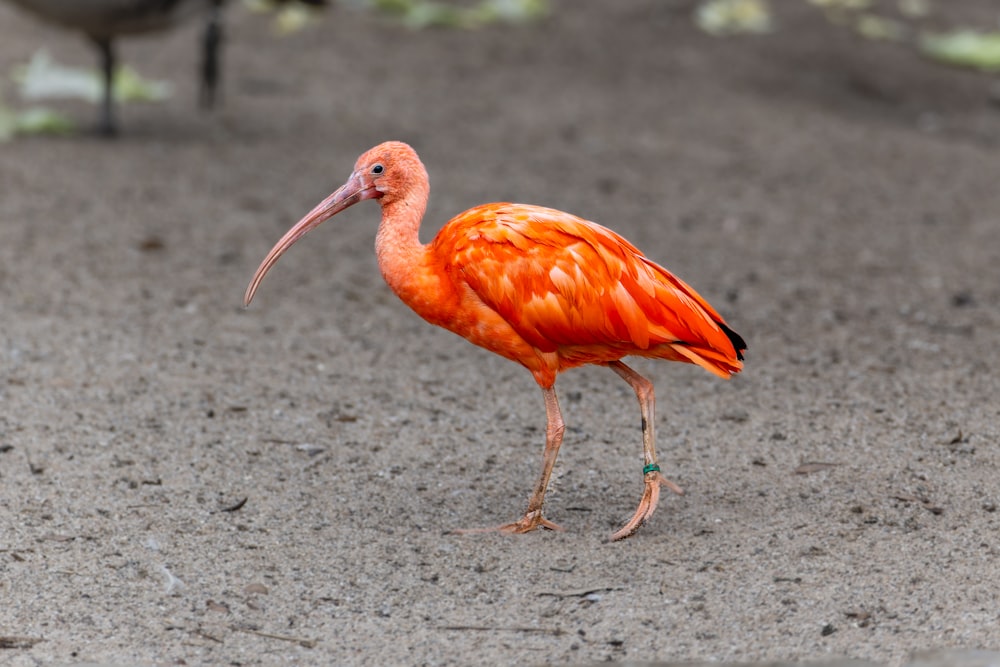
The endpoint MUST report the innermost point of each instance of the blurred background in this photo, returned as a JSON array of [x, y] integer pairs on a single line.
[[186, 481]]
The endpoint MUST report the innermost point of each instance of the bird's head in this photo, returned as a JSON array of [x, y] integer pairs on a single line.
[[389, 170], [386, 172]]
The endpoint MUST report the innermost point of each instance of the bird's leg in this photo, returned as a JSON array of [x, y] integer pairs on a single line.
[[554, 428], [106, 122], [651, 471], [211, 56], [533, 518]]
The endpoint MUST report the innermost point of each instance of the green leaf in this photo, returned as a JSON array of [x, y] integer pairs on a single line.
[[400, 7], [35, 120], [849, 5], [964, 48], [914, 9], [39, 120], [419, 14], [879, 28], [432, 14], [732, 17], [131, 87], [511, 11], [43, 78]]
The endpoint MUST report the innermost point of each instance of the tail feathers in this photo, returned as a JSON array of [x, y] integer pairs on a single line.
[[713, 360]]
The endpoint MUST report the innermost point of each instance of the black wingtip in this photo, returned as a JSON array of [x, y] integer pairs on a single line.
[[738, 343]]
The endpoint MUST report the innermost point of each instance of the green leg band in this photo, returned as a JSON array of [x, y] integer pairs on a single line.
[[650, 467]]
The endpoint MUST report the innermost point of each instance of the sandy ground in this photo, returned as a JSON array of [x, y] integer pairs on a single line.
[[836, 199]]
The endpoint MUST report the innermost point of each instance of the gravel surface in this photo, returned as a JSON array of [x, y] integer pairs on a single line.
[[183, 481]]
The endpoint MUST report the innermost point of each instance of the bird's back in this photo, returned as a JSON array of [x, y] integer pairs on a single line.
[[576, 289]]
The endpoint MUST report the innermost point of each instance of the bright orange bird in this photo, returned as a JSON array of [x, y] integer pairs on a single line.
[[538, 286]]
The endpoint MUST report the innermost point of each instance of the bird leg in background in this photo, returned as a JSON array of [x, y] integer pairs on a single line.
[[652, 478], [210, 58], [106, 122], [533, 519]]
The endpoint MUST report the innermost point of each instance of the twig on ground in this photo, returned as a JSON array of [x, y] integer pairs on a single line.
[[305, 643], [556, 632], [19, 642]]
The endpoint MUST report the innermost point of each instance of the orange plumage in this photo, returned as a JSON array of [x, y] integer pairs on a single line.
[[574, 288], [544, 288]]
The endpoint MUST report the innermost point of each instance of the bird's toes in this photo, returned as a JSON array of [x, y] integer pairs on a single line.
[[531, 521]]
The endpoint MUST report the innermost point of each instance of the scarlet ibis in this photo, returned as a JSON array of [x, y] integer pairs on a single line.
[[102, 21], [544, 288]]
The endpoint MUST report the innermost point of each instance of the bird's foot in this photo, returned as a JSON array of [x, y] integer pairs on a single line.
[[532, 520], [650, 498]]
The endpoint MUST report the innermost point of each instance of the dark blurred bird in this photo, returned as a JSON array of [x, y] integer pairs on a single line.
[[103, 21]]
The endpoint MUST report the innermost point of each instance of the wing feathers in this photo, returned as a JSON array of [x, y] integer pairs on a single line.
[[561, 281]]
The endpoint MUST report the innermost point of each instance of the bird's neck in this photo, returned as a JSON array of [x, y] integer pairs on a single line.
[[401, 256]]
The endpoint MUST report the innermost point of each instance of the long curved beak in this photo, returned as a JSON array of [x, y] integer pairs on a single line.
[[350, 193]]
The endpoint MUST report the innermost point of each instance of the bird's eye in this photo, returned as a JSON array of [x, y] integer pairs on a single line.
[[378, 169]]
